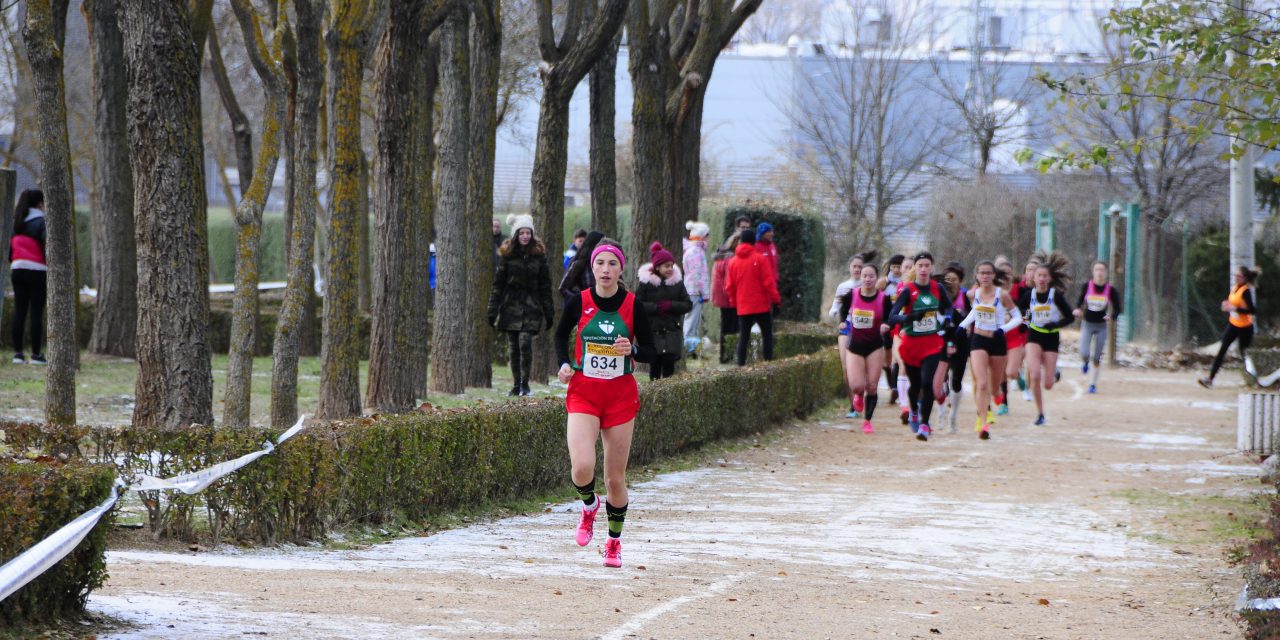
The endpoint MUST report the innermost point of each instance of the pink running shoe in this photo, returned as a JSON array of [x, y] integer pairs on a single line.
[[857, 403], [867, 428], [586, 526], [613, 553]]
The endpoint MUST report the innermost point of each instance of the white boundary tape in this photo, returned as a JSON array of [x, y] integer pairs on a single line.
[[1244, 603], [16, 573]]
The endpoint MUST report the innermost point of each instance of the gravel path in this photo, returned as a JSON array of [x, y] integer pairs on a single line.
[[1111, 522]]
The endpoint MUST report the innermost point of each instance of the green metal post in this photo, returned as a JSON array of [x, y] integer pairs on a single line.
[[1046, 230], [1133, 258]]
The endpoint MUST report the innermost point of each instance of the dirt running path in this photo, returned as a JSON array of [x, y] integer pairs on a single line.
[[1111, 522]]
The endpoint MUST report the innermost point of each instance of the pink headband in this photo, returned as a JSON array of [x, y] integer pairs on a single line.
[[608, 248]]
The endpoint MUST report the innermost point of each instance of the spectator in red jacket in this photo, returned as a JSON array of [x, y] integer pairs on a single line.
[[720, 297], [752, 286]]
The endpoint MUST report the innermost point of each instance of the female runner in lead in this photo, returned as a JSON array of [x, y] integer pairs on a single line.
[[603, 398]]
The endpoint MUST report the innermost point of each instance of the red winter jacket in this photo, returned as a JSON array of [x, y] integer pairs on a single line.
[[24, 247], [720, 297], [750, 282]]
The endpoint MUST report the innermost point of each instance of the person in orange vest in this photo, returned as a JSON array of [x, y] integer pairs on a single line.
[[1240, 307]]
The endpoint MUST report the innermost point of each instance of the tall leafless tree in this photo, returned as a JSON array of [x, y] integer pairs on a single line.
[[399, 109], [302, 199], [860, 131], [175, 381], [672, 50], [566, 59], [486, 62], [44, 35], [268, 63], [340, 377], [115, 254], [991, 97], [602, 84], [453, 329]]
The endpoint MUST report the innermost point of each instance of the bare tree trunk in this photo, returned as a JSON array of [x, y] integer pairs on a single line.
[[175, 383], [425, 161], [650, 147], [43, 36], [241, 131], [340, 376], [486, 53], [604, 145], [115, 323], [248, 214], [568, 62], [686, 169], [362, 206], [453, 329], [299, 292], [399, 104]]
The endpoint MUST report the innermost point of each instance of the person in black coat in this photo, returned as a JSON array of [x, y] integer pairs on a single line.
[[665, 301], [28, 271], [577, 276], [520, 302]]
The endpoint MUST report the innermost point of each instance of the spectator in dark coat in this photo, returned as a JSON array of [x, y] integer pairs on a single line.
[[520, 303], [753, 290], [28, 271], [665, 301]]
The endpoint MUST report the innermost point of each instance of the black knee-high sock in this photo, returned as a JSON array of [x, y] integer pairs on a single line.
[[587, 492], [616, 517], [1004, 390], [869, 404]]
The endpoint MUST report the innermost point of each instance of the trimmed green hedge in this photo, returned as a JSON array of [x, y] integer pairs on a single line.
[[36, 499], [802, 255], [380, 470]]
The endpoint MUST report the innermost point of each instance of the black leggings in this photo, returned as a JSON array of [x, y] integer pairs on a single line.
[[521, 354], [765, 320], [30, 288], [663, 366], [1232, 334], [920, 393], [956, 364]]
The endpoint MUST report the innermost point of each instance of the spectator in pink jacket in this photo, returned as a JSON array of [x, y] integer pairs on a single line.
[[697, 282]]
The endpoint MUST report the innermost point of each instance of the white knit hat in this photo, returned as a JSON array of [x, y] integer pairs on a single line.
[[697, 229], [518, 222]]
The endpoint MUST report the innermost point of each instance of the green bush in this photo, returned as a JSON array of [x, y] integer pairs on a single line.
[[789, 339], [383, 469], [802, 255], [36, 499]]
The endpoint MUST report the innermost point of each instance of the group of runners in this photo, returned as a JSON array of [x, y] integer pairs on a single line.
[[918, 325], [921, 327]]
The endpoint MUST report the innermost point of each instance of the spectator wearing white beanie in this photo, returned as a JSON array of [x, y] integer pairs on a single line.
[[697, 281]]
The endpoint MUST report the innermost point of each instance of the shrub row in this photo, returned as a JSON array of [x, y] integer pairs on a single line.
[[381, 469], [36, 499]]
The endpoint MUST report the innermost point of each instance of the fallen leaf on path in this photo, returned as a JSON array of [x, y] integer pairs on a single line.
[[782, 573], [1044, 601]]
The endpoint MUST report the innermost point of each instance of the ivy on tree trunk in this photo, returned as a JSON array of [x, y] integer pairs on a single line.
[[339, 351], [302, 232]]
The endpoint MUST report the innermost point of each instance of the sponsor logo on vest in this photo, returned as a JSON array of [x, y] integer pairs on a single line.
[[606, 327]]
